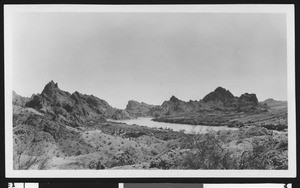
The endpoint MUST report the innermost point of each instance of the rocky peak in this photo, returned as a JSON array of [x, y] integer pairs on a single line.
[[220, 90], [174, 99], [50, 89], [219, 94]]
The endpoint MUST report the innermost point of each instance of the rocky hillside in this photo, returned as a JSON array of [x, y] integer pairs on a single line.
[[73, 109], [220, 100], [218, 108]]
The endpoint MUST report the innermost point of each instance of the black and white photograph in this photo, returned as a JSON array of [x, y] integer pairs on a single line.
[[149, 91]]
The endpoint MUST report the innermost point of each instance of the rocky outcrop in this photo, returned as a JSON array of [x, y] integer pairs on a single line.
[[219, 101], [121, 114], [219, 94], [73, 108], [248, 99], [174, 106], [222, 99], [137, 109]]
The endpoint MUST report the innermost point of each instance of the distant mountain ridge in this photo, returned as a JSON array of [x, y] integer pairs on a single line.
[[274, 103], [218, 100], [18, 99]]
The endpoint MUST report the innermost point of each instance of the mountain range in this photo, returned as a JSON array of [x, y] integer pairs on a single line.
[[75, 109]]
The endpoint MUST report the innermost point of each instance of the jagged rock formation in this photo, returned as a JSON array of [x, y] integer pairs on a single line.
[[73, 109], [220, 94], [216, 108], [218, 100], [121, 114], [222, 99]]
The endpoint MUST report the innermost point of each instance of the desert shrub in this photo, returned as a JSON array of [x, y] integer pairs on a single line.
[[78, 153], [248, 132], [264, 154], [161, 163], [128, 156], [278, 127], [154, 152], [282, 144], [206, 151], [96, 165]]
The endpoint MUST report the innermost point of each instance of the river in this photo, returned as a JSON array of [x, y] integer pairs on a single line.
[[176, 127]]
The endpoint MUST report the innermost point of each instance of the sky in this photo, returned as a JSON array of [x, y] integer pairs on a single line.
[[150, 56]]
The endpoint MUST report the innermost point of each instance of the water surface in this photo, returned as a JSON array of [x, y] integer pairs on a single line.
[[176, 127]]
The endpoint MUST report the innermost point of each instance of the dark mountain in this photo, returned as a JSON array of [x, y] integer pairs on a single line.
[[218, 100], [74, 108], [219, 94], [174, 105], [215, 109]]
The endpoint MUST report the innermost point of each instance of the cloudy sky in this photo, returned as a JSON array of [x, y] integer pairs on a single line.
[[150, 56]]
